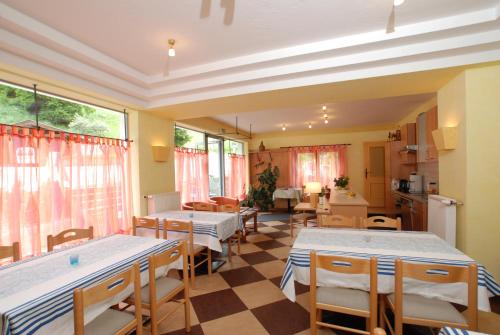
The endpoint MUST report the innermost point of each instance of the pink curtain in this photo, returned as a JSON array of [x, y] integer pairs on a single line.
[[50, 184], [191, 174], [317, 163], [235, 176]]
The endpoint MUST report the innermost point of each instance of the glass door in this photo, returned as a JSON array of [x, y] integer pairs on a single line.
[[215, 166]]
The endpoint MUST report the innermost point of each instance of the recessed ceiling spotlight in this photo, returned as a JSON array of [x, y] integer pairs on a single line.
[[310, 125], [326, 121], [171, 49], [324, 108], [283, 127], [398, 2]]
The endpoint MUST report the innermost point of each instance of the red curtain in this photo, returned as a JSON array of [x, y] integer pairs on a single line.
[[235, 176], [191, 174], [50, 184], [317, 163]]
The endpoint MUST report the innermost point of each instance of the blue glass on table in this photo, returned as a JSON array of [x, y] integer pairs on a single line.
[[74, 260]]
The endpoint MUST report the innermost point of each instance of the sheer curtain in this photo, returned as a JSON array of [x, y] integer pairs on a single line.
[[235, 176], [191, 174], [317, 163], [49, 184]]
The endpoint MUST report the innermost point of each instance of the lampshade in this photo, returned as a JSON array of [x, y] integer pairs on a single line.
[[313, 187]]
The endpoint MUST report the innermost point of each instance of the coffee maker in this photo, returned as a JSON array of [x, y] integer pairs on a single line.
[[416, 185]]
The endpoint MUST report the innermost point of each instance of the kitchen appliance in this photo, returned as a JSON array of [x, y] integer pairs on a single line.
[[415, 184], [404, 186]]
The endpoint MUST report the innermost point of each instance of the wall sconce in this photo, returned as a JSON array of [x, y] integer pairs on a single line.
[[445, 138], [160, 153]]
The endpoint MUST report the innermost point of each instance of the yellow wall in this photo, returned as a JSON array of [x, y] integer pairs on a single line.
[[150, 177], [355, 155], [469, 173]]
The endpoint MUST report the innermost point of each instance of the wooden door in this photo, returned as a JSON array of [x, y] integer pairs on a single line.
[[375, 174]]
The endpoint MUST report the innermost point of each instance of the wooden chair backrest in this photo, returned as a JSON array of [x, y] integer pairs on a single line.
[[139, 222], [184, 227], [382, 222], [347, 265], [163, 259], [229, 208], [108, 288], [337, 221], [13, 251], [68, 236], [441, 274], [204, 206]]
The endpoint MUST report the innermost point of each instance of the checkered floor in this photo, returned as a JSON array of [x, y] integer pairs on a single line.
[[243, 297]]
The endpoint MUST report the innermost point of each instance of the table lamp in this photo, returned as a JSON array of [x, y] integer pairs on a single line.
[[314, 189]]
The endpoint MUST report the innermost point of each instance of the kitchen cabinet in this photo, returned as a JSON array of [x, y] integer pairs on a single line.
[[426, 123], [419, 216], [408, 137]]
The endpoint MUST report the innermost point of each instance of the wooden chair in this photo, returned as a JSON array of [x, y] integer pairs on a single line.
[[431, 312], [68, 236], [186, 229], [343, 300], [112, 321], [164, 289], [381, 222], [147, 223], [336, 221], [13, 251], [236, 237], [204, 206]]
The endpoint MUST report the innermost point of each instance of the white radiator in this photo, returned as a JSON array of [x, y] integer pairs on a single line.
[[442, 217], [163, 202]]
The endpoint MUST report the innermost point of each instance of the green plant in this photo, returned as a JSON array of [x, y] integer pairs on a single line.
[[262, 195], [181, 137], [341, 182]]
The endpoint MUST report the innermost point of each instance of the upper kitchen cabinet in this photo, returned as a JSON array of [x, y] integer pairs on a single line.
[[426, 123], [408, 140]]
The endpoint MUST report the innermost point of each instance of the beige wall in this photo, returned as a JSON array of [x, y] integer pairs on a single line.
[[412, 117], [150, 177], [355, 155], [469, 173]]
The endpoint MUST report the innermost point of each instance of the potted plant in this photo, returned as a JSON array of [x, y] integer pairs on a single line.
[[341, 183], [262, 195]]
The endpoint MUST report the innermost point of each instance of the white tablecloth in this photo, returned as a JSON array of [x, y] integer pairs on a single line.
[[288, 193], [209, 228], [386, 246], [36, 295]]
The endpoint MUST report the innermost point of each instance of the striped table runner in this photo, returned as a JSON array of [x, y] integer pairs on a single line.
[[386, 246], [456, 331], [36, 295], [209, 228]]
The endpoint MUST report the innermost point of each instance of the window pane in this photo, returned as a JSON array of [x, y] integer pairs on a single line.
[[187, 138], [214, 167], [17, 107], [233, 147]]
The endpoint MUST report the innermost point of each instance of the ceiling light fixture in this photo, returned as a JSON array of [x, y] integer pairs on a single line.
[[326, 118], [325, 115], [283, 127], [326, 121], [324, 108], [310, 125], [398, 2], [171, 49]]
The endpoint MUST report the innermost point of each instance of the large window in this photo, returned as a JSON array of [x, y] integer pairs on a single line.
[[18, 107]]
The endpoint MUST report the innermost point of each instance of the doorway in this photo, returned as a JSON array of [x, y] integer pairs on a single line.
[[375, 162]]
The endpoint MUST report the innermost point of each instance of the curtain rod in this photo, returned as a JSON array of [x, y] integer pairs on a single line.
[[57, 133], [308, 146]]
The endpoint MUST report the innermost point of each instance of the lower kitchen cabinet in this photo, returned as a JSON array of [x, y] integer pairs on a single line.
[[419, 216]]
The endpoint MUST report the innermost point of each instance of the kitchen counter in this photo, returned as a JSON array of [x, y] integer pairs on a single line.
[[420, 197], [342, 204]]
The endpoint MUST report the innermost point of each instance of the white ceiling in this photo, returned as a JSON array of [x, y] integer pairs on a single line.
[[118, 47], [347, 114]]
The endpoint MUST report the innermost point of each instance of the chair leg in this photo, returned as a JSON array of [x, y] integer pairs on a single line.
[[191, 266], [239, 243], [313, 316], [229, 251], [154, 320], [209, 260], [291, 226], [187, 310]]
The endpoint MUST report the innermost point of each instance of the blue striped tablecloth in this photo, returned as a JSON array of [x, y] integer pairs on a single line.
[[209, 228], [36, 295], [456, 331], [386, 246]]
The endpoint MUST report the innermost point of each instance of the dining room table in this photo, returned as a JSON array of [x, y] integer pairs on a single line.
[[36, 294], [457, 331], [209, 228], [386, 246]]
